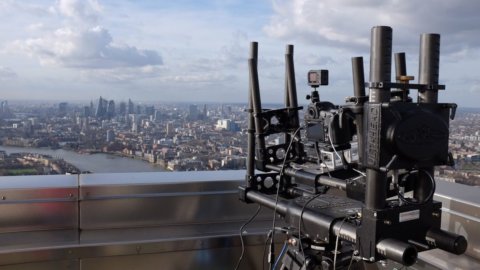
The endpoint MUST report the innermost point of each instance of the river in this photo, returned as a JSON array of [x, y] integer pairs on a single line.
[[96, 163]]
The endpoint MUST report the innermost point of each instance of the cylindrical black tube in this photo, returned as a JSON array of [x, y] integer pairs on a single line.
[[376, 189], [454, 243], [358, 77], [359, 93], [380, 62], [292, 86], [292, 94], [332, 182], [429, 66], [289, 51], [428, 73], [251, 125], [398, 251], [380, 72], [311, 177], [257, 109]]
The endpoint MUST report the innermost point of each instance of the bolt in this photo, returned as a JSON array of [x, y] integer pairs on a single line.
[[436, 214], [372, 259], [4, 198], [387, 222], [292, 241]]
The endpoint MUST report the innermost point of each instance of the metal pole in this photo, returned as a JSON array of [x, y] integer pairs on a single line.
[[401, 70], [292, 86], [380, 62], [428, 73], [251, 124], [380, 71], [359, 93], [429, 66], [288, 52], [257, 109], [292, 92]]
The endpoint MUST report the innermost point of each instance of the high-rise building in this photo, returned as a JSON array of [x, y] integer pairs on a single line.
[[131, 107], [101, 108], [170, 129], [193, 112], [86, 111], [157, 116], [4, 107], [122, 108], [111, 109], [149, 110], [62, 108]]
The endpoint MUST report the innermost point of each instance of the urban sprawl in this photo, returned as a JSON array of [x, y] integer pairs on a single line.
[[178, 137]]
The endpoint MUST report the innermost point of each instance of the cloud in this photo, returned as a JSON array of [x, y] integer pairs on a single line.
[[346, 23], [90, 48], [7, 73], [80, 10], [81, 44], [124, 75], [19, 6]]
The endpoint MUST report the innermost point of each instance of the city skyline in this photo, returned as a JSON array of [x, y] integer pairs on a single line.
[[196, 51]]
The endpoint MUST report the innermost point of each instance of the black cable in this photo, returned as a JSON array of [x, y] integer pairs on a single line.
[[430, 195], [241, 235], [300, 222], [279, 187]]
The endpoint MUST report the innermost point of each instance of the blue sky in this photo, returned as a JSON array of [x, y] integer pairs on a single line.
[[196, 51]]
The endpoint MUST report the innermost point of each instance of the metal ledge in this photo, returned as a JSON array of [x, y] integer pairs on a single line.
[[99, 221]]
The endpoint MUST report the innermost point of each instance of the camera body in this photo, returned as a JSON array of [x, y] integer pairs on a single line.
[[358, 183]]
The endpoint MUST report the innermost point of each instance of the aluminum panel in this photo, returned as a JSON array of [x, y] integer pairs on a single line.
[[159, 211]]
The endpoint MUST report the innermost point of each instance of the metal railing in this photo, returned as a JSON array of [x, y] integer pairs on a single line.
[[181, 220]]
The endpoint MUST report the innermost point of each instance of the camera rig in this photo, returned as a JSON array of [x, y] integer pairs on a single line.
[[355, 182]]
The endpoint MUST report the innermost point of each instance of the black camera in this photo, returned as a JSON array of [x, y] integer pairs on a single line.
[[355, 182]]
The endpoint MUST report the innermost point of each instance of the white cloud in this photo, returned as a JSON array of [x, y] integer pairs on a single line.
[[90, 48], [80, 10], [82, 44], [346, 23]]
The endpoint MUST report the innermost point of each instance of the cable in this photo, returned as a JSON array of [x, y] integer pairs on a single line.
[[279, 186], [241, 235], [284, 248], [331, 143], [430, 195], [269, 234], [300, 223], [351, 261], [336, 244]]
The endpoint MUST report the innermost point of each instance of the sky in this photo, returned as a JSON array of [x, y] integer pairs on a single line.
[[197, 50]]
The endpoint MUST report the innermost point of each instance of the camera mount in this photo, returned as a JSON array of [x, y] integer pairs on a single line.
[[341, 180]]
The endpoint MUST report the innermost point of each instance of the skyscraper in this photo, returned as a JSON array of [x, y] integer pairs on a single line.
[[101, 108], [111, 109], [62, 108], [131, 107], [122, 108], [193, 112]]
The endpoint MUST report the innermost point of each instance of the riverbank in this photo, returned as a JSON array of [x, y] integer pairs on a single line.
[[95, 162]]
